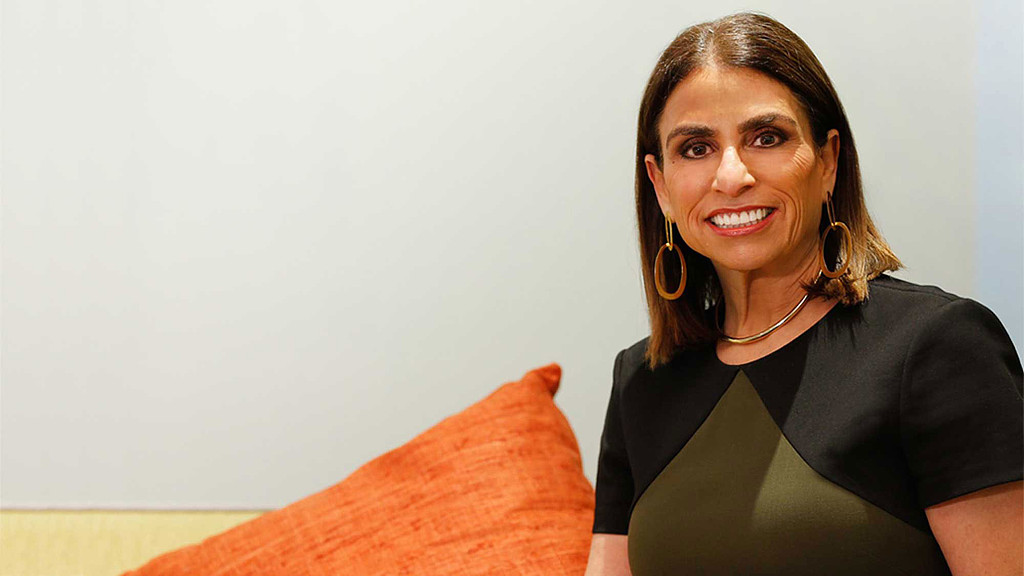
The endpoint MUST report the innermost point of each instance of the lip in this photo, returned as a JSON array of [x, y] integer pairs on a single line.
[[742, 230]]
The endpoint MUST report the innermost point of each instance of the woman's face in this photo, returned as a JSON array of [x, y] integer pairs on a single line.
[[741, 176]]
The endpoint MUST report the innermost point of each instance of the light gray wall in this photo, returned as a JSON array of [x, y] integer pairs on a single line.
[[251, 245], [999, 172]]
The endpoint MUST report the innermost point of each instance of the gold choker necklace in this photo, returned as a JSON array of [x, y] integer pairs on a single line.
[[776, 326], [764, 333]]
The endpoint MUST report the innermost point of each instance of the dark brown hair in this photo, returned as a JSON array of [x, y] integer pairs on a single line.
[[758, 42]]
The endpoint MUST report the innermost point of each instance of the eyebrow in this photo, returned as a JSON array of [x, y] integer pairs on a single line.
[[754, 123]]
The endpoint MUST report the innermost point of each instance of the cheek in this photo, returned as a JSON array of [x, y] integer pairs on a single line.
[[797, 180], [807, 173], [688, 189], [688, 185]]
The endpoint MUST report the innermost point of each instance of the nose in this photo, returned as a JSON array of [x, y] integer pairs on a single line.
[[732, 176]]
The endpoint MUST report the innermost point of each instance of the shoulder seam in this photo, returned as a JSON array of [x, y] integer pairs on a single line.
[[920, 290]]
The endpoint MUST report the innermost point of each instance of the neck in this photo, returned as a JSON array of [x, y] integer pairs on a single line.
[[757, 299]]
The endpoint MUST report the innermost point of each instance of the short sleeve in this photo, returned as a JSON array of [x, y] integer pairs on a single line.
[[960, 408], [614, 491]]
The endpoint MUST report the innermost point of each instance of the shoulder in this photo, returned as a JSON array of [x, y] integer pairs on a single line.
[[947, 346], [917, 312], [631, 359], [893, 295], [633, 374]]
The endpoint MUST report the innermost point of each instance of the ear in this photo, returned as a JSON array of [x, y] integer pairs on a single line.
[[830, 159], [657, 178]]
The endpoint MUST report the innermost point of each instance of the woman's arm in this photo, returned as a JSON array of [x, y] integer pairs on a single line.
[[608, 556], [982, 532]]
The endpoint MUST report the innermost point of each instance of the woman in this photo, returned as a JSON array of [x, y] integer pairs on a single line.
[[795, 410]]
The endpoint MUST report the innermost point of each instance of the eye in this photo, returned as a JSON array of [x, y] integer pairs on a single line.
[[694, 150], [769, 138]]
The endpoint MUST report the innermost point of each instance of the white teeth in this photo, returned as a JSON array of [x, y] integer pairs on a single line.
[[737, 219]]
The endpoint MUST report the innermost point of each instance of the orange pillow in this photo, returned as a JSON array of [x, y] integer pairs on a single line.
[[495, 489]]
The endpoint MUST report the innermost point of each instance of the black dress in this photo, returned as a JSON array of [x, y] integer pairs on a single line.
[[820, 457]]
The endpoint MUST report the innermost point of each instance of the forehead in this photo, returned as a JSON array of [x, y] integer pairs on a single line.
[[723, 97]]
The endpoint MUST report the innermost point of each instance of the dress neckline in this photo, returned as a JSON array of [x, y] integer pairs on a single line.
[[780, 351]]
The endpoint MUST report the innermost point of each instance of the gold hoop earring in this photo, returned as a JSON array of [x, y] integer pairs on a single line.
[[846, 241], [659, 268]]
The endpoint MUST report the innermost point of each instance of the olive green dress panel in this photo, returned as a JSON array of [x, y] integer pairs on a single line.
[[738, 499]]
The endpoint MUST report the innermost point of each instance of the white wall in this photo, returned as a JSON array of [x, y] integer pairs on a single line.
[[250, 245]]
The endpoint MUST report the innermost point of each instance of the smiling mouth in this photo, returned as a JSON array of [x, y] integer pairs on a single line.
[[727, 220]]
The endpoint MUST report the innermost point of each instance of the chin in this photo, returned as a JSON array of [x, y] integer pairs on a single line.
[[741, 262], [738, 265]]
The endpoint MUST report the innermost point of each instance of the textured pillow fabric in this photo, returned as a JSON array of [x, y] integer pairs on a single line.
[[495, 489]]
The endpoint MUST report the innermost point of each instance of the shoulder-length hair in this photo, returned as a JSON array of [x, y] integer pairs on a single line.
[[758, 42]]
